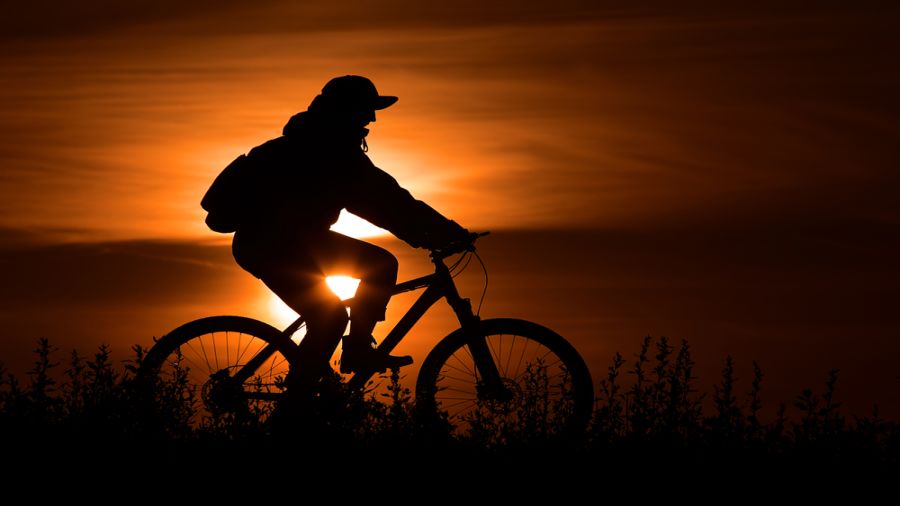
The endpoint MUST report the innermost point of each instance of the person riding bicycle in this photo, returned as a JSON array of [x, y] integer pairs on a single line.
[[308, 175]]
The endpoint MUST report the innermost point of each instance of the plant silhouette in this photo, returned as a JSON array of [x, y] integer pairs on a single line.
[[658, 415]]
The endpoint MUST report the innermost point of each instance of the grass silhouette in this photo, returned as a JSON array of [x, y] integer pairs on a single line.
[[651, 413]]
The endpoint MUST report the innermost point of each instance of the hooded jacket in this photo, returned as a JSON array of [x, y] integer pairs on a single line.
[[316, 169]]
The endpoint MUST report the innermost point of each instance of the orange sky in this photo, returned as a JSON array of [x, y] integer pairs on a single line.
[[688, 150], [592, 118]]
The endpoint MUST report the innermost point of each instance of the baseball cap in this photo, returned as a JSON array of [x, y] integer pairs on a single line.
[[355, 91]]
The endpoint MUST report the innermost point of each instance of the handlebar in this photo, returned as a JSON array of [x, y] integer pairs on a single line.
[[467, 244]]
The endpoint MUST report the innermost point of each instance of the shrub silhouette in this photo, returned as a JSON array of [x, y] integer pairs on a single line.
[[660, 413]]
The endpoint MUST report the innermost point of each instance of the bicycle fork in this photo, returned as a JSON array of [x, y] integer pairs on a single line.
[[490, 384]]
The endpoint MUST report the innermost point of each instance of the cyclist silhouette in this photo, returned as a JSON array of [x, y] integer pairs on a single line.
[[314, 170]]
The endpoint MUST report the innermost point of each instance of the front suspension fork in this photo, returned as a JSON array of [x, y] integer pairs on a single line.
[[490, 382]]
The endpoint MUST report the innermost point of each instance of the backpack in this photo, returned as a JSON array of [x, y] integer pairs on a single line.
[[228, 198]]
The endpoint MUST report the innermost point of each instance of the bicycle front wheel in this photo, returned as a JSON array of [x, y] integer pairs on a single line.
[[544, 389], [220, 372]]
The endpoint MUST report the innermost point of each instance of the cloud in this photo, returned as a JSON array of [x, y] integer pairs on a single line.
[[40, 271], [596, 116], [48, 18]]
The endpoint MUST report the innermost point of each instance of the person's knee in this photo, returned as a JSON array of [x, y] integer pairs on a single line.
[[331, 319], [393, 263], [387, 266]]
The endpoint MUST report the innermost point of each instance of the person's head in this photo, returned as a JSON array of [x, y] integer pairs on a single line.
[[350, 100]]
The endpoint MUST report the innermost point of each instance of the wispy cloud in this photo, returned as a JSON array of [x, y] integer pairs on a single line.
[[592, 114]]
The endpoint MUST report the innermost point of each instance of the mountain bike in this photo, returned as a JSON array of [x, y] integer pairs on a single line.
[[500, 368]]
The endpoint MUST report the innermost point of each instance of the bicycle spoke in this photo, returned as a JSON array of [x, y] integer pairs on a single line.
[[456, 390], [279, 361], [205, 356], [444, 375], [187, 357], [517, 378], [455, 369], [215, 352], [470, 398], [469, 352], [194, 370], [470, 371], [262, 346], [528, 364], [474, 370], [244, 350], [238, 350], [461, 400], [270, 372], [194, 358], [493, 352], [535, 384], [521, 357], [189, 345], [465, 411], [509, 357]]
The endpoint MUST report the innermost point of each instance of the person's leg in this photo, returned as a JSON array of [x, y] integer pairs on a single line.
[[292, 275], [301, 285], [297, 275], [376, 268], [325, 314]]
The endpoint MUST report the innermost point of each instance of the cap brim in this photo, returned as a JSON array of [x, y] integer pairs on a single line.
[[383, 102]]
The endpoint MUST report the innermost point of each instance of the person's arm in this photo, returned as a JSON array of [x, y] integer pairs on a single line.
[[377, 197]]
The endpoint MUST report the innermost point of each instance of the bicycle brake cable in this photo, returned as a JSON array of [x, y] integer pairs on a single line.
[[468, 258], [456, 263]]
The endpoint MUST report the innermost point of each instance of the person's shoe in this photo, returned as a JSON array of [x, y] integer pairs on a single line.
[[366, 359]]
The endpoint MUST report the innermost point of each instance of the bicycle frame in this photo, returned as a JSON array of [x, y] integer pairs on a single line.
[[438, 285]]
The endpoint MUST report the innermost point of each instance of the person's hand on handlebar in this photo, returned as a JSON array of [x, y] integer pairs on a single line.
[[464, 243]]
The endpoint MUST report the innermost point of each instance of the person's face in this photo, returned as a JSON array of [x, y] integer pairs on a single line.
[[355, 118], [363, 117]]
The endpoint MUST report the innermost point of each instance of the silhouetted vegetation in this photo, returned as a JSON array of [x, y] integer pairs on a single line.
[[648, 408]]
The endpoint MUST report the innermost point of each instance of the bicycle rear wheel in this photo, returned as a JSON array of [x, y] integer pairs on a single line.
[[546, 390], [221, 372]]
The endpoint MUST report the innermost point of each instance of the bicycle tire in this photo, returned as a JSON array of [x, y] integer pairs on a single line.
[[447, 387], [187, 371]]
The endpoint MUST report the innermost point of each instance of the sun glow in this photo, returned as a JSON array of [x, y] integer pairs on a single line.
[[281, 314], [343, 286], [354, 226]]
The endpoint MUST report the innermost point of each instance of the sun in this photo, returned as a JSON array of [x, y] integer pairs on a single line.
[[343, 286]]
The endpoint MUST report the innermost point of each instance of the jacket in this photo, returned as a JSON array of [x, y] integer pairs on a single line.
[[316, 169]]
